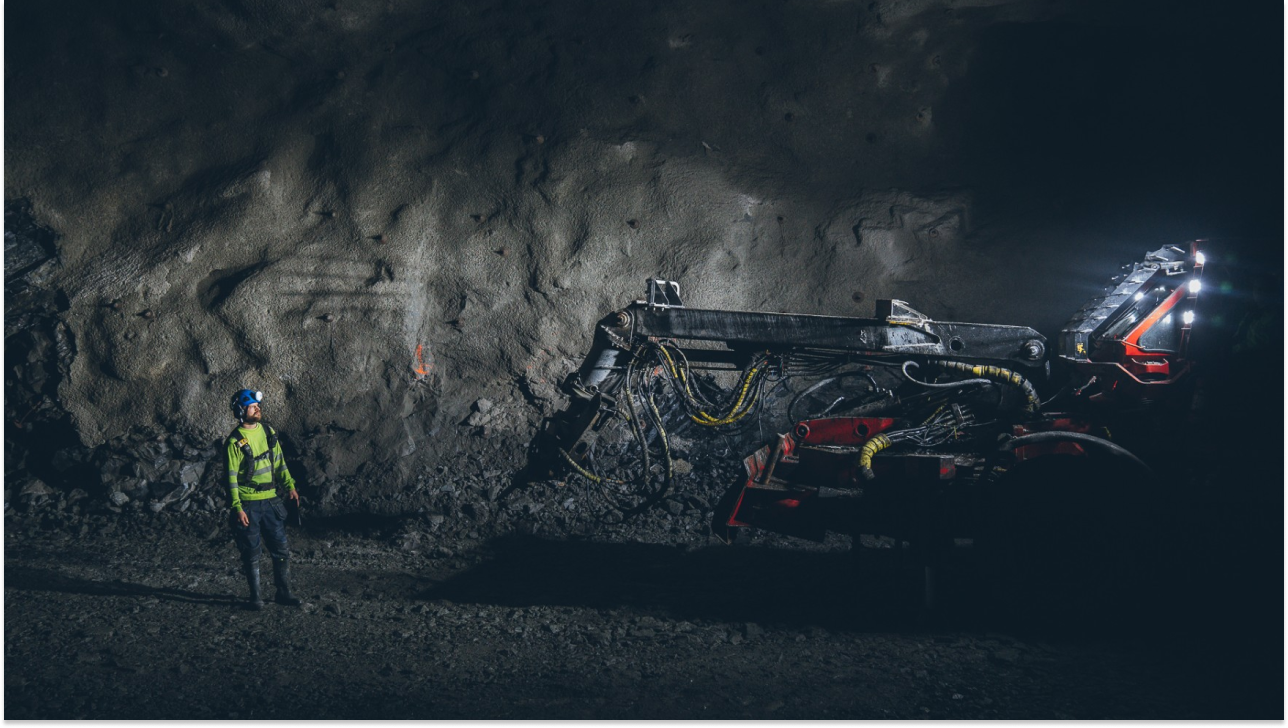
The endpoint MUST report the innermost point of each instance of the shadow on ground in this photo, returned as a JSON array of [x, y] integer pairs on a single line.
[[763, 585], [27, 578]]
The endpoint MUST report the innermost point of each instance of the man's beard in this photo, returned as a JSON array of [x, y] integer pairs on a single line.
[[251, 419]]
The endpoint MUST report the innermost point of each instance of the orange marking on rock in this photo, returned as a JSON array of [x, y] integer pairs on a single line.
[[421, 367]]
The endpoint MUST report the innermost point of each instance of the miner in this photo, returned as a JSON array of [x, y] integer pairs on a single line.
[[256, 475]]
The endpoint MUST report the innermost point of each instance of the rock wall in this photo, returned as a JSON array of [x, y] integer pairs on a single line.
[[381, 213]]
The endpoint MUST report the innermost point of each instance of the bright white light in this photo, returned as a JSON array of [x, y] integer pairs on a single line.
[[1139, 296], [1196, 285], [1188, 317], [1167, 320], [1200, 258]]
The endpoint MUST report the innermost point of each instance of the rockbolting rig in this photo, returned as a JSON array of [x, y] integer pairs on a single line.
[[896, 426]]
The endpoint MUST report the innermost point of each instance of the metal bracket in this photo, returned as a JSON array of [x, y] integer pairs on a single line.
[[663, 293], [899, 312]]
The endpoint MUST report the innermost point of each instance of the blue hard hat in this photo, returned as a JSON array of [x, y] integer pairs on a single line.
[[243, 399]]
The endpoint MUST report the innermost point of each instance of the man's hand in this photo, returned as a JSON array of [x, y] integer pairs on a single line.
[[294, 494], [243, 519]]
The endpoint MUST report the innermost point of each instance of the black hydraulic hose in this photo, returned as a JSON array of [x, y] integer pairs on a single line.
[[948, 385], [791, 407], [1056, 436], [637, 427]]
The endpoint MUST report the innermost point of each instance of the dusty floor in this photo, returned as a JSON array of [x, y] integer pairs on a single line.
[[143, 622]]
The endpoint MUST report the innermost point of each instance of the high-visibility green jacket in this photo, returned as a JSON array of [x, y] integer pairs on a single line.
[[269, 466]]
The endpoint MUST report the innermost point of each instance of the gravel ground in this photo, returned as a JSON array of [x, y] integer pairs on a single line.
[[140, 620]]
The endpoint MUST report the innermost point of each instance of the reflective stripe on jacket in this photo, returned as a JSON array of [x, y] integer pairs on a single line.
[[267, 464]]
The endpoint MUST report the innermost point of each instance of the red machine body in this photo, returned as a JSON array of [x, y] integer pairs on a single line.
[[1133, 342], [808, 482]]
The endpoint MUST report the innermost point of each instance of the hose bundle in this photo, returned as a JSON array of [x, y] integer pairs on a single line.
[[943, 425], [653, 366]]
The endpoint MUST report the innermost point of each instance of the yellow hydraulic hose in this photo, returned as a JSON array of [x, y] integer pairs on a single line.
[[740, 408], [586, 473], [997, 374], [873, 446]]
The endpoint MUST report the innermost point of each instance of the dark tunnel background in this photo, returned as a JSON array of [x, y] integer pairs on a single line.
[[1170, 128]]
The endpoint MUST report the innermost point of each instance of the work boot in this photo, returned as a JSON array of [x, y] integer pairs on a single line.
[[256, 602], [282, 580]]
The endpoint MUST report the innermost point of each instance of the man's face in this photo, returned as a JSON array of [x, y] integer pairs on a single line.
[[252, 413]]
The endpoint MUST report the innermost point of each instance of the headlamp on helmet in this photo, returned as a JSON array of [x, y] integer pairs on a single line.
[[242, 399]]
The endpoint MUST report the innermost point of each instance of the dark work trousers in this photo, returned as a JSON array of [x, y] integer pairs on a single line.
[[267, 524]]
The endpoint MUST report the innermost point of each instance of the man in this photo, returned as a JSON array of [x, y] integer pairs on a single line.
[[256, 470]]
